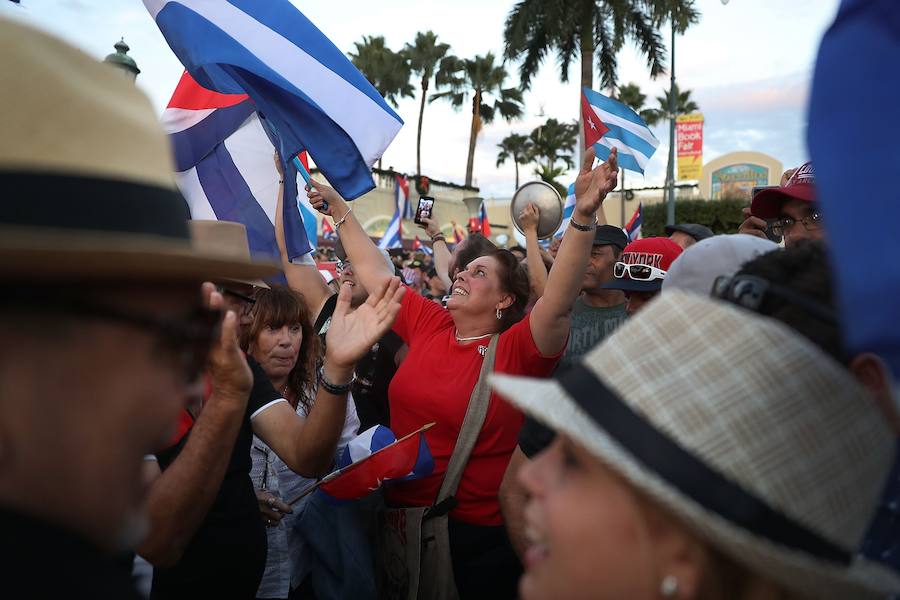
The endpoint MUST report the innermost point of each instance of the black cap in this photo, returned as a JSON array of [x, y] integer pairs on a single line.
[[695, 230], [610, 235]]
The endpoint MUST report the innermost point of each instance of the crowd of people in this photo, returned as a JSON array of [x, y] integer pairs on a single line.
[[670, 417]]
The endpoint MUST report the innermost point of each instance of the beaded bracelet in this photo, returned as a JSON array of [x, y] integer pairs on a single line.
[[333, 388]]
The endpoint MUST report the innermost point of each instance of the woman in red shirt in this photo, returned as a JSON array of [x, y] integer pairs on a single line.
[[446, 348]]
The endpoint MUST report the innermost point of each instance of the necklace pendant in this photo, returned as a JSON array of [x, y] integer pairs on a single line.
[[482, 350]]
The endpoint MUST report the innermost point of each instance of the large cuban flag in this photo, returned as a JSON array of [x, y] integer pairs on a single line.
[[393, 235], [224, 163], [311, 95], [610, 124], [568, 209]]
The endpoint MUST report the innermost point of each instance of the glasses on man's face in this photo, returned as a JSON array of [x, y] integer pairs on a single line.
[[638, 272], [810, 222], [186, 340]]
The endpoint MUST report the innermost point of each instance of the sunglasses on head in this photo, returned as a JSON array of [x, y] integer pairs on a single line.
[[750, 292], [638, 272]]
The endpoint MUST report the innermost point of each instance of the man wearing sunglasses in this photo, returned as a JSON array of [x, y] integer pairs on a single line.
[[789, 211], [641, 269]]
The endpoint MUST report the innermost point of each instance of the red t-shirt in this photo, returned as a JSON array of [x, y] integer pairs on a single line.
[[434, 384]]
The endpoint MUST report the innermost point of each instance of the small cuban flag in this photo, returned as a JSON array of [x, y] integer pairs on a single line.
[[374, 457], [418, 246], [633, 228], [610, 124], [328, 231]]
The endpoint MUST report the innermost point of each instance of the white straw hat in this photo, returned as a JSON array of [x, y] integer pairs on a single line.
[[761, 443]]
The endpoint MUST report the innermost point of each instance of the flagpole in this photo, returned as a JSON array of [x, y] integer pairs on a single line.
[[335, 474], [307, 178], [670, 174]]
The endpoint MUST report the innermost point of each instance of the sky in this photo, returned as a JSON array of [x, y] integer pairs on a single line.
[[748, 65]]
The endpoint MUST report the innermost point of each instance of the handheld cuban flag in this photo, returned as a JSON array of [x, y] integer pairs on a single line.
[[308, 90], [225, 169], [483, 223], [633, 227], [393, 235], [568, 209], [418, 246], [610, 124], [373, 458], [328, 231]]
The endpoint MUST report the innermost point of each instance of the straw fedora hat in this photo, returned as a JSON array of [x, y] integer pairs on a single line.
[[761, 443], [225, 238], [87, 175]]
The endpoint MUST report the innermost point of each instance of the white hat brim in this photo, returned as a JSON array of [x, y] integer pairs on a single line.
[[548, 402]]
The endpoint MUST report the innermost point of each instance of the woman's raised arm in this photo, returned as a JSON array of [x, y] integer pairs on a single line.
[[550, 320]]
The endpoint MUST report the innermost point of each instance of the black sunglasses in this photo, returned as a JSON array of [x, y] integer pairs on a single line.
[[750, 292], [185, 340]]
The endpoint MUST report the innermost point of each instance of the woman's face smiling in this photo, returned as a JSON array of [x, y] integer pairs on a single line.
[[477, 287]]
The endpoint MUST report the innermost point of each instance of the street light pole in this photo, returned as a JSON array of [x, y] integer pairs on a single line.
[[670, 174]]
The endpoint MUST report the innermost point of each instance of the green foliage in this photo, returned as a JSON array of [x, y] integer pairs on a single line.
[[424, 56], [580, 29], [516, 147], [684, 105], [385, 69], [553, 142], [551, 175], [722, 216]]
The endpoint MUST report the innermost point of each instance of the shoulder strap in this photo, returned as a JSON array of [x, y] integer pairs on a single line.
[[471, 427]]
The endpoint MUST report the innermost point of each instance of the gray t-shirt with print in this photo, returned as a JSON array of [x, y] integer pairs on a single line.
[[590, 326]]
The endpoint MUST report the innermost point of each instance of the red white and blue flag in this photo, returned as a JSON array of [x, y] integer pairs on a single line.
[[310, 94], [328, 231], [418, 246], [393, 235], [610, 124], [633, 227], [225, 169], [374, 457]]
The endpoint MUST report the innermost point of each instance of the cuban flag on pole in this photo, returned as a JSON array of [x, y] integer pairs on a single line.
[[633, 227], [328, 231], [374, 457], [568, 209], [311, 95], [225, 169], [418, 246], [609, 123], [393, 235]]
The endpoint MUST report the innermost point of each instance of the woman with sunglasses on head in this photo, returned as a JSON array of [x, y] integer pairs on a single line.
[[446, 350]]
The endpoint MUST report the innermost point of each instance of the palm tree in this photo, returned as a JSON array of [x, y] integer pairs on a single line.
[[484, 80], [551, 175], [516, 147], [684, 105], [385, 69], [586, 28], [424, 55], [554, 141]]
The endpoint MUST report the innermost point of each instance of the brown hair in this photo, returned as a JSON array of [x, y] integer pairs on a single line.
[[475, 245], [277, 307], [513, 280]]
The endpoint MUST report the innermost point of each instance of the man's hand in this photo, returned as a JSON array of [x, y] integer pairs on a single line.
[[326, 200], [592, 185], [753, 225], [430, 226], [352, 334], [271, 508], [228, 368], [529, 218]]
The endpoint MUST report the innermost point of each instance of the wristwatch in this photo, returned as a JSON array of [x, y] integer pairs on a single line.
[[580, 227]]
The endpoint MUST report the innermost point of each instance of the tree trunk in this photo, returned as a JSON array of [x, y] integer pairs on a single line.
[[419, 133], [473, 135], [587, 67], [517, 172]]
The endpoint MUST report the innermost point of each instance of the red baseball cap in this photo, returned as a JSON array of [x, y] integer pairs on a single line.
[[800, 186], [658, 252]]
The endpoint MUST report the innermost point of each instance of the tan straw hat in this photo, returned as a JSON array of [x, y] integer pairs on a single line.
[[226, 238], [756, 439], [87, 175]]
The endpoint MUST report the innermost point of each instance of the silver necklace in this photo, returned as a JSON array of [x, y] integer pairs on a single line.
[[469, 339]]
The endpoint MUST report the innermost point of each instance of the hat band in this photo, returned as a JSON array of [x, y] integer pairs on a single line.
[[691, 476], [70, 202]]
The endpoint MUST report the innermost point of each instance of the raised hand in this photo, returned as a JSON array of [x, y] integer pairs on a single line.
[[352, 334], [593, 184], [231, 376], [529, 218], [430, 226], [325, 199]]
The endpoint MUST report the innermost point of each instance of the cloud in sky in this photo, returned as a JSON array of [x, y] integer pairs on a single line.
[[748, 64]]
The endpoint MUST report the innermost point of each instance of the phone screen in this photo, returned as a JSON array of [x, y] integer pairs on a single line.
[[424, 209]]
